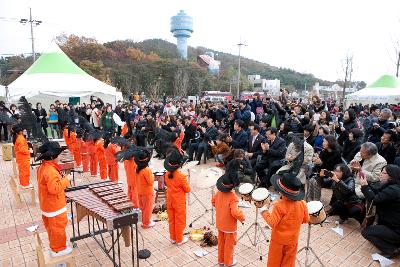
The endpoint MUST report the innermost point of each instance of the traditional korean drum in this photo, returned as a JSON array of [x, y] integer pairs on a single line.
[[261, 196], [245, 191], [160, 178], [316, 212]]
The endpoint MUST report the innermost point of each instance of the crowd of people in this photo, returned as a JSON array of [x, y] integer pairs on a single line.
[[354, 152]]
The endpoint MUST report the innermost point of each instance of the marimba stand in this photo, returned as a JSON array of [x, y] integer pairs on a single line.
[[17, 190], [44, 259]]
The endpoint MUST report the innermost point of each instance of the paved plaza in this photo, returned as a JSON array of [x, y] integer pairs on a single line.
[[17, 246]]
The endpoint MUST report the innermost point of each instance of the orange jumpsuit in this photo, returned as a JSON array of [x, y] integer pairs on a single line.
[[66, 138], [53, 203], [71, 142], [124, 129], [144, 182], [227, 215], [23, 157], [178, 141], [285, 220], [93, 157], [85, 155], [99, 151], [112, 163], [177, 187], [130, 170], [77, 151]]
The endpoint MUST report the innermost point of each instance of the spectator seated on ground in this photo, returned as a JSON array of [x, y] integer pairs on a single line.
[[386, 146], [370, 163], [297, 157], [190, 133], [379, 127], [308, 134], [238, 140], [349, 122], [344, 201], [209, 134], [220, 149], [243, 113], [352, 145], [254, 148], [245, 168], [385, 235], [272, 157], [329, 157]]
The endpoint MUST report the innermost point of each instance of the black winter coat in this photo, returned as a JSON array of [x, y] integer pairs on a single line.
[[387, 201], [350, 149], [329, 160], [343, 191]]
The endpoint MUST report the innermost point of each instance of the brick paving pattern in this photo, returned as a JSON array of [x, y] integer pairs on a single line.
[[17, 246]]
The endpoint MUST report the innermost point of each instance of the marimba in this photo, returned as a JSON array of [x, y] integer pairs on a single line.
[[107, 209]]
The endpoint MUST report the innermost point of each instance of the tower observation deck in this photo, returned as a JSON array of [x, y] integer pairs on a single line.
[[182, 28]]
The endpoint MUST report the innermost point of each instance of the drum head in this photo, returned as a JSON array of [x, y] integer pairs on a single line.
[[260, 194], [245, 188], [314, 206]]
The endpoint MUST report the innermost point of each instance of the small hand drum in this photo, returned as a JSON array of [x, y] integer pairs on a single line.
[[316, 212], [245, 191], [261, 196], [159, 177]]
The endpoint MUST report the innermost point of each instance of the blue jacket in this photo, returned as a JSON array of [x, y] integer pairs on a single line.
[[239, 139], [244, 115]]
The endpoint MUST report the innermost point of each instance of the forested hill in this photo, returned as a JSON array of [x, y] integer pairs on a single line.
[[154, 67], [288, 77]]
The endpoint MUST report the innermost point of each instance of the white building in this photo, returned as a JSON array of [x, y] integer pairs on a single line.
[[335, 91], [268, 86]]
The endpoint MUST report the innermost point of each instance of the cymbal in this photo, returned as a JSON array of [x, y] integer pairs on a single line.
[[189, 165], [208, 177]]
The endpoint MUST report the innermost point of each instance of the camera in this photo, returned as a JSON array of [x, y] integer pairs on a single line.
[[327, 173]]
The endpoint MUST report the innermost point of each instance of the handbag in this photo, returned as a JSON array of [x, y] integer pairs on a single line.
[[370, 215]]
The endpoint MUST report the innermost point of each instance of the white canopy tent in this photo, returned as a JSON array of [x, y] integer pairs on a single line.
[[55, 77], [385, 90], [2, 92]]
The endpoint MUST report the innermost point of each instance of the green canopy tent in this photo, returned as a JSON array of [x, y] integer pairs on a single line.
[[384, 90], [54, 76]]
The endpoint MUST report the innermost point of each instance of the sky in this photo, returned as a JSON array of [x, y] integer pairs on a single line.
[[309, 36]]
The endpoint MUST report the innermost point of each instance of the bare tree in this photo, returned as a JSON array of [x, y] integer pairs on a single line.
[[347, 66], [181, 82]]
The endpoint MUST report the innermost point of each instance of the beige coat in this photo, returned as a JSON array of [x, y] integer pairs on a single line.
[[371, 167], [308, 154]]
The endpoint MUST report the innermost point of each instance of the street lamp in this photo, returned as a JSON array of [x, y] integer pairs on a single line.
[[33, 23], [240, 44]]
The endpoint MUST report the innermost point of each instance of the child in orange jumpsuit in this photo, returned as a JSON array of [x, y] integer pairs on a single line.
[[53, 203], [177, 187], [179, 139], [77, 150], [288, 213], [22, 156], [99, 151], [92, 157], [226, 202], [84, 144], [144, 183], [112, 163]]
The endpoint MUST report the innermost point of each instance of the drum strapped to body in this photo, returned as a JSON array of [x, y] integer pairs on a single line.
[[261, 197], [159, 176], [316, 211], [245, 191]]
